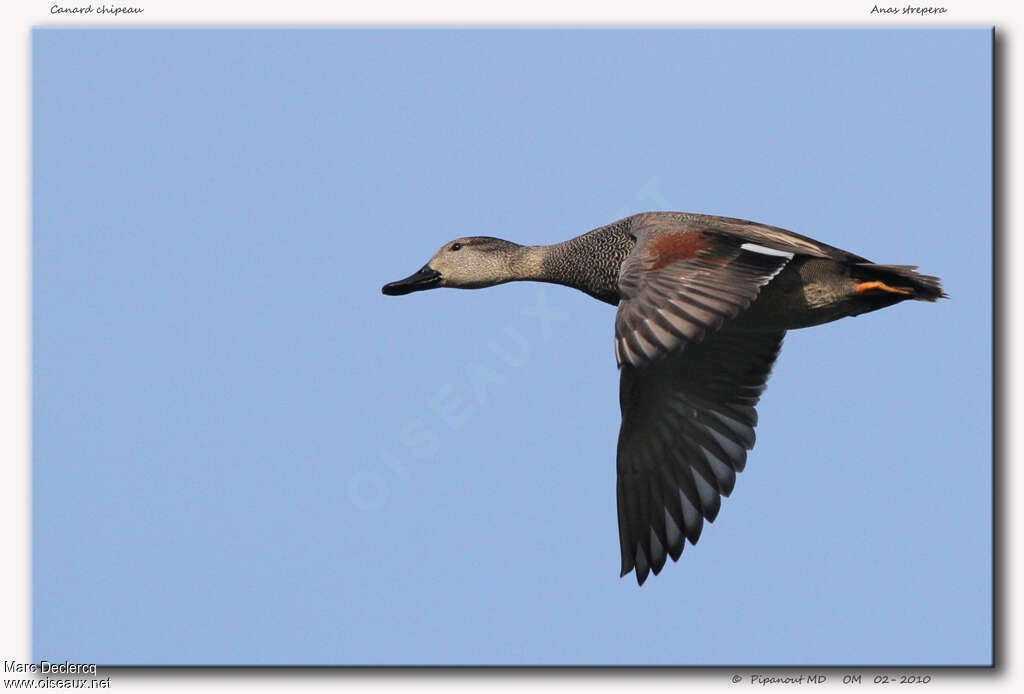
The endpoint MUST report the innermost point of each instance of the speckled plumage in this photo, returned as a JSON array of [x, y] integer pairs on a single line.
[[601, 251]]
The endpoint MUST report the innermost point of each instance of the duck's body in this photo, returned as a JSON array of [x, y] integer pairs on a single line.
[[703, 305]]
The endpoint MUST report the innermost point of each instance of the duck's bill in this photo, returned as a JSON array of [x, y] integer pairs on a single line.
[[426, 278]]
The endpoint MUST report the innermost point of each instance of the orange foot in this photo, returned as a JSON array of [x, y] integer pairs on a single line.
[[865, 287]]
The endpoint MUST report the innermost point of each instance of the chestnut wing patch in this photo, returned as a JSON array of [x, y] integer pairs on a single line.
[[666, 249], [678, 286]]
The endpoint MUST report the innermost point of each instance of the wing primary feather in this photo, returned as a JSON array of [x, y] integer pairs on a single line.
[[658, 555], [642, 566], [674, 533], [673, 504], [625, 536], [656, 519]]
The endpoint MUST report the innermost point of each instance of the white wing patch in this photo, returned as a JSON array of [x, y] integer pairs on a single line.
[[764, 250]]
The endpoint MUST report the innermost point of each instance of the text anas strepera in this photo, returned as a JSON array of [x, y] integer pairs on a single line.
[[703, 304]]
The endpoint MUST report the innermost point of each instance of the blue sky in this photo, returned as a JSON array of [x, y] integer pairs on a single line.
[[244, 453]]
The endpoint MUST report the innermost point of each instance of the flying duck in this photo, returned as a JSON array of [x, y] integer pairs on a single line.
[[703, 305]]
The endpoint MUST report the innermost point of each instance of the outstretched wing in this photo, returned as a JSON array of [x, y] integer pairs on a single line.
[[689, 384]]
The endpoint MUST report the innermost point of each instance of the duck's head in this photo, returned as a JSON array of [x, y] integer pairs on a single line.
[[466, 263]]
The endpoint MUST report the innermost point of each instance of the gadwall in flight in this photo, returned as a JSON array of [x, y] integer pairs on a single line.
[[703, 304]]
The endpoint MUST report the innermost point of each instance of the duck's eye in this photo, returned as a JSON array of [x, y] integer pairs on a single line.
[[456, 246]]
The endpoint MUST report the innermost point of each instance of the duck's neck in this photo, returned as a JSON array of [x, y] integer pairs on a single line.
[[527, 263], [577, 263]]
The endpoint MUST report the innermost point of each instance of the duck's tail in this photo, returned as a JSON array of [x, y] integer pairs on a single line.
[[903, 279]]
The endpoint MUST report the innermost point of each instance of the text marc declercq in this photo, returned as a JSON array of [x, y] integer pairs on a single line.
[[47, 668]]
